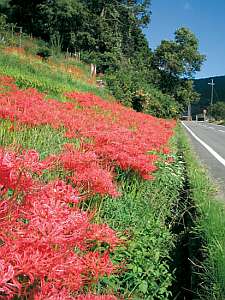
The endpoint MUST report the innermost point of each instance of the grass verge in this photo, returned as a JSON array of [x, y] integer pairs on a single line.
[[209, 225]]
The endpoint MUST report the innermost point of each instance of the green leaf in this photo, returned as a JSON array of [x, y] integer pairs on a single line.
[[143, 287]]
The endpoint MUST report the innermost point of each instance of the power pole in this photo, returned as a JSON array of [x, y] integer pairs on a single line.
[[212, 83]]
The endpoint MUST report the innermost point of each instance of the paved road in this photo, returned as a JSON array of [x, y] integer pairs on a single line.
[[208, 141]]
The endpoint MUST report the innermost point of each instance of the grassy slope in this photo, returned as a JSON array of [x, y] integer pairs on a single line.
[[48, 77], [143, 210]]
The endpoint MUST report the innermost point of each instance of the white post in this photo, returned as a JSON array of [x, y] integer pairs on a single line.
[[21, 31]]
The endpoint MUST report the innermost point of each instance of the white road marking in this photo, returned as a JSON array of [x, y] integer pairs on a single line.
[[221, 131], [213, 152]]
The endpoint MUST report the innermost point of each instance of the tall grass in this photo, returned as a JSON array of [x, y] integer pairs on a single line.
[[210, 225], [44, 139]]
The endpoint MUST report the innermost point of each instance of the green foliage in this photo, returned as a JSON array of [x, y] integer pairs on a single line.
[[44, 52], [130, 86], [3, 23], [218, 110], [142, 213], [88, 25], [154, 102], [177, 61]]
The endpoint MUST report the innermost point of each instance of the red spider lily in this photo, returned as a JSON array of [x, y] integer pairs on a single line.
[[119, 135], [49, 247], [96, 297], [49, 292], [15, 169], [87, 171], [7, 284], [46, 240]]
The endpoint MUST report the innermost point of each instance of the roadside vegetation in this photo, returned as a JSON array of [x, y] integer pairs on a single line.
[[99, 199], [218, 112], [88, 151], [209, 229]]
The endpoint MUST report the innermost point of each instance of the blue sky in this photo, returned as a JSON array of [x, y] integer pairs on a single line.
[[206, 18]]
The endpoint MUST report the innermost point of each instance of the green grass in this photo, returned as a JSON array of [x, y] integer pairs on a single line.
[[43, 139], [39, 75], [210, 225], [145, 212]]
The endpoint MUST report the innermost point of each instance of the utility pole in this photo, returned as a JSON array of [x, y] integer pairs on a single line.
[[212, 90]]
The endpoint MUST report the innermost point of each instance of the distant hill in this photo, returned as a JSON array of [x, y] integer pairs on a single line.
[[202, 87]]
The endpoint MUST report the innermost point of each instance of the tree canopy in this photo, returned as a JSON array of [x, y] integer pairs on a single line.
[[109, 34], [179, 58], [177, 62]]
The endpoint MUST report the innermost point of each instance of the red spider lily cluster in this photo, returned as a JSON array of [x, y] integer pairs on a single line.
[[117, 136], [49, 247], [87, 171]]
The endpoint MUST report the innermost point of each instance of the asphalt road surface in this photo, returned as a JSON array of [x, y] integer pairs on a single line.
[[208, 141]]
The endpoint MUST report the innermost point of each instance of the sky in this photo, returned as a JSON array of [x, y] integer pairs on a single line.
[[205, 18]]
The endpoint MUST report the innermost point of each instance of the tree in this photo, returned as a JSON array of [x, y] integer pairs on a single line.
[[60, 21], [177, 61], [179, 58], [23, 13]]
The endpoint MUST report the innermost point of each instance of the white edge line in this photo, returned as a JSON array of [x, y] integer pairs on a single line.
[[213, 152]]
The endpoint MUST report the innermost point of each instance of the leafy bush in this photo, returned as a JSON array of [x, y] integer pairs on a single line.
[[218, 110], [44, 52], [154, 102], [129, 86]]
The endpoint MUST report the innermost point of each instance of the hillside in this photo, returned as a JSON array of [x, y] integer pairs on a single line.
[[202, 87], [150, 81], [76, 176]]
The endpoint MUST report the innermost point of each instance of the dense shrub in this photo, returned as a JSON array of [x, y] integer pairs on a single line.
[[129, 86], [218, 110]]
